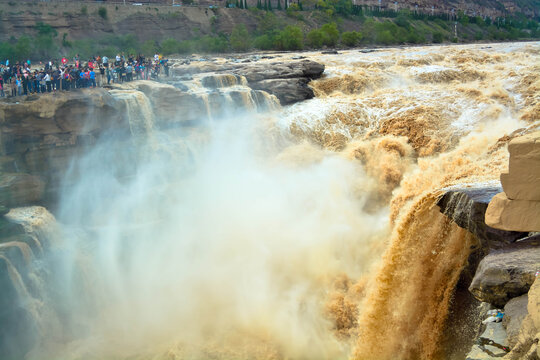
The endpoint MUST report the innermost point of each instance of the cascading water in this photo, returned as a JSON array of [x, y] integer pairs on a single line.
[[305, 232], [138, 110]]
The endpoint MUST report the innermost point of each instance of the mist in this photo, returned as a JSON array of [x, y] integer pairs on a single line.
[[204, 245]]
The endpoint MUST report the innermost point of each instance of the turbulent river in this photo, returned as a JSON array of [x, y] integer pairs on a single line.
[[305, 232]]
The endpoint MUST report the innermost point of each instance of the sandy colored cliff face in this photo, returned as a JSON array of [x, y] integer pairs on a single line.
[[518, 207]]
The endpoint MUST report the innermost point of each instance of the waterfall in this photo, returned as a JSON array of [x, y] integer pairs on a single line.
[[234, 228], [139, 111]]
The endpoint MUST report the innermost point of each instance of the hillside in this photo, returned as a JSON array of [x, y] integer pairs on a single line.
[[40, 30]]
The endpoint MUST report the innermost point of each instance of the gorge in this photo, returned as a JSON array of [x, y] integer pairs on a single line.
[[271, 206]]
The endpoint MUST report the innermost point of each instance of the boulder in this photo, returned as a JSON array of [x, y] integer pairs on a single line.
[[523, 185], [492, 344], [517, 208], [513, 215], [17, 189], [507, 273], [170, 105], [522, 182], [58, 113], [466, 206], [281, 70], [527, 345], [288, 91], [514, 313], [286, 80]]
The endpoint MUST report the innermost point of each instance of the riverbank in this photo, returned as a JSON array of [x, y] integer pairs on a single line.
[[44, 31]]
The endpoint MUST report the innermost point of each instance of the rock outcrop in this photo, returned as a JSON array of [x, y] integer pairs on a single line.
[[20, 189], [519, 215], [514, 313], [42, 136], [507, 273], [287, 80], [492, 343], [466, 206], [518, 207], [24, 234], [528, 346]]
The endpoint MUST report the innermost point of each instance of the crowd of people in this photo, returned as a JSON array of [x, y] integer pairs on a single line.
[[22, 78]]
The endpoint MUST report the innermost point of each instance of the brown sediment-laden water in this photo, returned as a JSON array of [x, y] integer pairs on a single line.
[[307, 231]]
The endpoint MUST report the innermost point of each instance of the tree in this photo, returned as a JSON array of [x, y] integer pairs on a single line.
[[102, 12], [240, 39], [315, 38], [384, 37], [170, 46], [351, 38], [438, 37], [291, 38], [331, 34], [149, 47], [279, 5]]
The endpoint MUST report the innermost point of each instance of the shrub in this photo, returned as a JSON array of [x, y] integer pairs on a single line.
[[84, 10], [149, 47], [185, 47], [263, 42], [438, 37], [170, 46], [240, 38], [291, 38], [102, 12], [6, 50], [384, 37], [331, 34], [351, 38], [315, 38], [45, 29], [292, 10], [213, 44]]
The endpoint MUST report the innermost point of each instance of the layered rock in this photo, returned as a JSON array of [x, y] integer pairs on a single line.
[[506, 214], [507, 273], [518, 207], [24, 235], [515, 312], [288, 81], [527, 346], [466, 206], [20, 189]]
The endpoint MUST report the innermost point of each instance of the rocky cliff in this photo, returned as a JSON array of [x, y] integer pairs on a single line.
[[41, 136], [506, 266]]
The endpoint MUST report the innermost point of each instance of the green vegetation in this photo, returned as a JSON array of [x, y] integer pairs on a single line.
[[283, 29], [102, 11]]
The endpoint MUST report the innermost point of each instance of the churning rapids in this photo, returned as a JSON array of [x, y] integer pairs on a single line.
[[304, 232]]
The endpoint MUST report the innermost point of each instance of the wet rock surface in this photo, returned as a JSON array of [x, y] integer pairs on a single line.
[[17, 189], [527, 345], [287, 80], [492, 344], [466, 206], [515, 312], [507, 272]]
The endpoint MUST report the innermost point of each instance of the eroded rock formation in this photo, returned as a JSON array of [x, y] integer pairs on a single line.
[[518, 207], [288, 81], [507, 273]]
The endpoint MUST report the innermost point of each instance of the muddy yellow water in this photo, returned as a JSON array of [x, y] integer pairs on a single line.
[[308, 232]]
